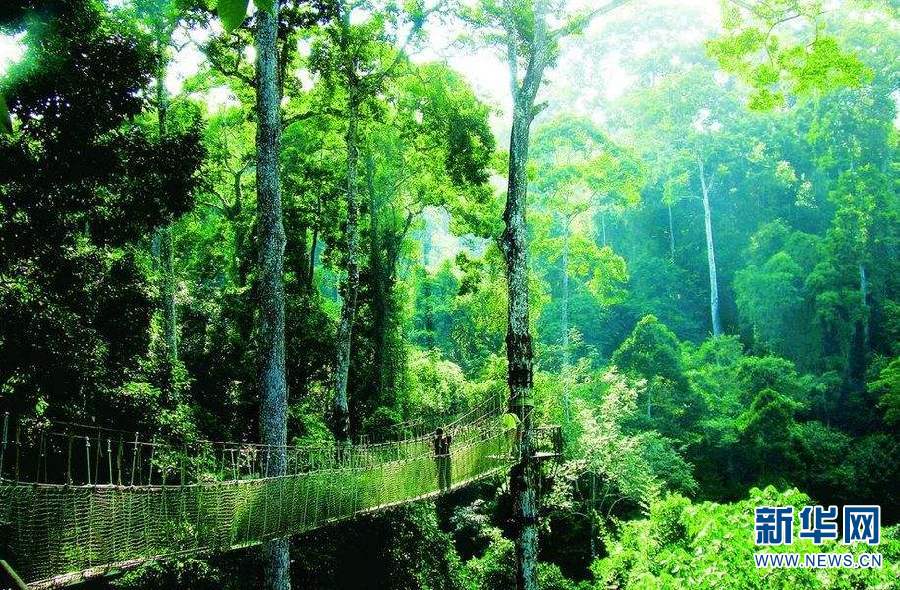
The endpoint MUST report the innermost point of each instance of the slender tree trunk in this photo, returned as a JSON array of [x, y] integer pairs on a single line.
[[859, 345], [237, 243], [566, 402], [426, 246], [163, 238], [671, 233], [514, 243], [314, 246], [340, 404], [519, 352], [232, 213], [593, 515], [864, 294], [301, 266], [430, 340], [381, 292], [603, 227], [167, 291], [710, 255], [311, 275], [270, 286]]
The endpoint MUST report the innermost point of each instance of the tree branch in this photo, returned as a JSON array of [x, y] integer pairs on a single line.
[[586, 19], [328, 111], [512, 53]]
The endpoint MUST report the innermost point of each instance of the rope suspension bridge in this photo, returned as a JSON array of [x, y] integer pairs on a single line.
[[82, 502]]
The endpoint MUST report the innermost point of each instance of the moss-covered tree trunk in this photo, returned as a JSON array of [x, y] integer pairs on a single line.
[[514, 243], [270, 280], [520, 355], [340, 403]]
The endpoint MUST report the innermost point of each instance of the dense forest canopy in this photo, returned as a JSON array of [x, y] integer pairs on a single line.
[[669, 228]]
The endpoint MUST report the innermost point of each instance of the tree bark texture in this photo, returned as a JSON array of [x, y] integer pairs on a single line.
[[710, 255], [514, 243], [340, 403], [270, 286]]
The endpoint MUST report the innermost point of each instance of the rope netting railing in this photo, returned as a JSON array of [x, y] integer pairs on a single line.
[[78, 505], [79, 454], [448, 419]]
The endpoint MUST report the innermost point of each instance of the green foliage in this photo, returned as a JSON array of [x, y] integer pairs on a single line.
[[510, 421], [709, 545], [233, 12], [436, 386], [652, 350], [772, 295], [402, 549], [187, 573], [5, 121], [777, 65], [78, 312], [653, 354], [887, 389], [633, 466], [496, 568], [820, 453], [801, 391], [764, 431]]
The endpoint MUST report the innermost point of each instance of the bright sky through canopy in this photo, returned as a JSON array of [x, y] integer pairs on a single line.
[[488, 73], [12, 51]]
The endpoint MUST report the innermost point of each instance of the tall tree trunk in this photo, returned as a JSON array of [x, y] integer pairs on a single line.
[[163, 238], [340, 404], [314, 246], [167, 291], [864, 294], [430, 340], [710, 255], [301, 264], [671, 233], [426, 245], [566, 402], [311, 274], [378, 272], [859, 344], [233, 213], [603, 227], [270, 286], [519, 352]]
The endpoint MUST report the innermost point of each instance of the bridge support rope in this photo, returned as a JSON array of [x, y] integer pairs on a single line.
[[60, 534]]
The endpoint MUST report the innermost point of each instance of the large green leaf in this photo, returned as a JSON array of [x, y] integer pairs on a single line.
[[232, 13], [509, 421], [5, 120]]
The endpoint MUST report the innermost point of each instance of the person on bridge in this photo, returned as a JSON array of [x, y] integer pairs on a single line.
[[441, 443]]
